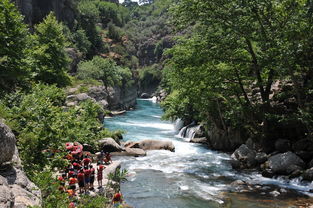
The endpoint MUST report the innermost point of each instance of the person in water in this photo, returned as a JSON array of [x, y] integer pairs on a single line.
[[117, 200]]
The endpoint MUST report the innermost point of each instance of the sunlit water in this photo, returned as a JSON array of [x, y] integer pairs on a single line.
[[192, 176]]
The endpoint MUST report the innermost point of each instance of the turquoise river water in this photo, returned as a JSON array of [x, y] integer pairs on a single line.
[[193, 176]]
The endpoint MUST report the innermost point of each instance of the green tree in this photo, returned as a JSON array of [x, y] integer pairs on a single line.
[[49, 59], [228, 66], [13, 45], [89, 16], [102, 69], [81, 41]]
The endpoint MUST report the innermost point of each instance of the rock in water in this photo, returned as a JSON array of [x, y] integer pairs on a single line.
[[150, 144], [285, 163], [7, 143], [308, 174], [145, 95], [135, 152], [245, 156]]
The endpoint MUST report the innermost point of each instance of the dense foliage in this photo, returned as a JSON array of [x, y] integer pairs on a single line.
[[49, 60], [13, 41], [43, 126], [245, 65], [105, 70]]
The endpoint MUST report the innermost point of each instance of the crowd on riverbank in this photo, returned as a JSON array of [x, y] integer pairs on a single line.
[[85, 172]]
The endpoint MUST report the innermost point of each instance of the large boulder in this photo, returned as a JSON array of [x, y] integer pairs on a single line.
[[245, 156], [110, 145], [303, 145], [285, 163], [282, 145], [201, 140], [98, 93], [150, 144], [135, 152], [16, 190], [308, 175], [7, 143], [225, 140]]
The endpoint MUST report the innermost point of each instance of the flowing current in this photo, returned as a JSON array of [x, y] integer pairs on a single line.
[[193, 176]]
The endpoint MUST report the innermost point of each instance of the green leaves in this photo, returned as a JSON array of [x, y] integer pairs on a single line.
[[105, 70], [49, 59], [227, 65], [13, 43], [43, 125]]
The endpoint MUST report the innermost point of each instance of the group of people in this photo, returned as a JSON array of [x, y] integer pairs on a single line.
[[82, 172]]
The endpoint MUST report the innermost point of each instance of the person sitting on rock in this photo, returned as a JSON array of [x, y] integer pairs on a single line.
[[86, 161], [87, 173], [92, 177], [117, 200], [100, 174], [107, 159], [81, 181]]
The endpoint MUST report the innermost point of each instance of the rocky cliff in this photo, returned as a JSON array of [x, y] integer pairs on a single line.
[[35, 10], [115, 98], [16, 190]]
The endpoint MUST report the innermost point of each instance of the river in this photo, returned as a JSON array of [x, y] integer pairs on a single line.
[[193, 176]]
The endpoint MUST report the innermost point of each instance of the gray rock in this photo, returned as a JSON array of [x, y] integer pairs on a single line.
[[72, 91], [311, 164], [16, 190], [305, 155], [282, 145], [82, 97], [245, 156], [150, 144], [145, 95], [201, 140], [7, 143], [104, 104], [308, 175], [225, 140], [285, 163], [110, 145], [274, 193], [75, 57], [303, 145], [135, 152], [261, 157], [98, 93]]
